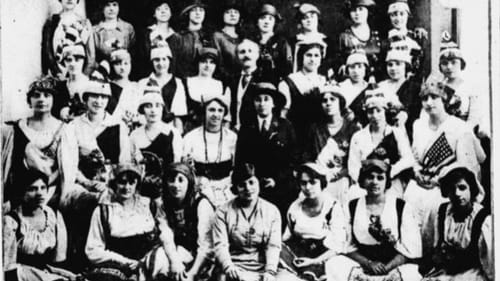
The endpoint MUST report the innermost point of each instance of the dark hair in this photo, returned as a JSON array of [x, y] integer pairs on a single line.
[[303, 169], [447, 183], [31, 176], [342, 102], [241, 172], [303, 49], [443, 59], [171, 172], [85, 95], [363, 174], [47, 84], [129, 175], [367, 70]]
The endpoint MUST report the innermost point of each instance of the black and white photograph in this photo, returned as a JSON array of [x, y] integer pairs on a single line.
[[249, 140]]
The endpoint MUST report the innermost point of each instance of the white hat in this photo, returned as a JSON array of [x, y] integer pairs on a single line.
[[98, 87], [357, 57], [398, 55], [398, 6]]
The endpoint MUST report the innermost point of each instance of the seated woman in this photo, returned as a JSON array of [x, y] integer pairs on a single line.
[[203, 86], [458, 233], [315, 226], [124, 241], [39, 142], [328, 141], [190, 220], [247, 231], [383, 235], [34, 235], [212, 148], [382, 141], [172, 88], [353, 87]]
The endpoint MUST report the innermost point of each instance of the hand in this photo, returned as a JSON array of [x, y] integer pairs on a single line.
[[98, 186], [233, 273], [268, 182], [189, 276], [401, 118], [421, 33], [132, 265], [303, 262], [176, 270], [375, 268], [268, 277], [64, 114], [423, 180]]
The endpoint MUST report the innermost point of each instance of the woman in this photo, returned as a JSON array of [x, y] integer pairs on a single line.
[[354, 86], [112, 29], [68, 103], [439, 140], [228, 38], [401, 90], [247, 231], [34, 235], [300, 88], [189, 219], [315, 229], [359, 35], [328, 140], [56, 31], [199, 88], [379, 140], [275, 51], [172, 88], [459, 232], [155, 138], [383, 235], [126, 220], [159, 30], [212, 149], [39, 142]]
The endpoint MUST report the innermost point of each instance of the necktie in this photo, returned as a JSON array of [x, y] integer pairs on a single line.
[[245, 80], [263, 128]]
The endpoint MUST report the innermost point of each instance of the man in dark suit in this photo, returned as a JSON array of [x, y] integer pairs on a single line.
[[268, 142]]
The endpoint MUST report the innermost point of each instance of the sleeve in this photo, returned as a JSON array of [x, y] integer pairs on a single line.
[[90, 49], [95, 249], [469, 150], [48, 58], [350, 244], [68, 155], [405, 152], [287, 234], [273, 247], [166, 233], [429, 232], [177, 145], [9, 243], [410, 241], [486, 248], [285, 90], [227, 96], [354, 159], [221, 239], [125, 146], [132, 40], [205, 220], [7, 148], [61, 238], [337, 236], [179, 104]]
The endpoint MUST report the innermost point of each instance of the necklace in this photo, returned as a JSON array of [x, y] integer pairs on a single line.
[[219, 148]]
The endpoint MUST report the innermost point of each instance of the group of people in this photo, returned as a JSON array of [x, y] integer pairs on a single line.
[[246, 157]]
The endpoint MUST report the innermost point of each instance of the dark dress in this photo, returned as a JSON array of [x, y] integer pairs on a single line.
[[348, 42], [276, 57], [109, 143], [185, 47]]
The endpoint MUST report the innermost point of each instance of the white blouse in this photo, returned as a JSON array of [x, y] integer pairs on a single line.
[[350, 91]]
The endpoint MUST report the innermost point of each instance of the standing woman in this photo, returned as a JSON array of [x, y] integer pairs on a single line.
[[112, 29], [383, 235], [327, 142], [247, 231], [212, 149], [301, 88], [40, 142], [276, 55], [67, 24], [159, 30], [228, 38], [172, 88]]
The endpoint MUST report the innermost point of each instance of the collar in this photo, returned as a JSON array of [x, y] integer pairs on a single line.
[[119, 25], [269, 119], [251, 72], [106, 122]]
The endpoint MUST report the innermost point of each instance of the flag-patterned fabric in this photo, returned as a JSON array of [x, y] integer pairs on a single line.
[[439, 153]]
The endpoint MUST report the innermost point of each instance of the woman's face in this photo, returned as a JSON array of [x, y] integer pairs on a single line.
[[433, 104], [74, 64], [330, 104], [178, 186], [111, 10], [264, 105], [197, 15], [68, 5], [396, 69], [215, 114], [356, 72], [126, 185], [359, 15], [310, 22], [122, 68], [399, 19], [266, 23], [375, 115], [311, 187], [35, 195], [97, 103], [41, 102], [312, 60], [460, 194], [248, 190], [231, 17], [163, 13], [153, 112], [451, 68], [375, 183], [161, 65], [206, 67]]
